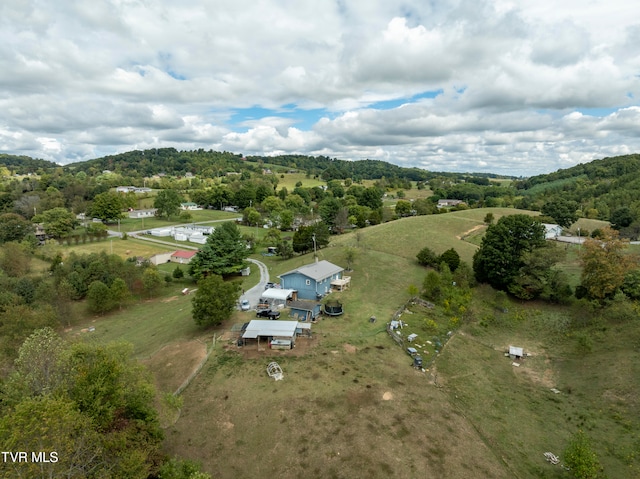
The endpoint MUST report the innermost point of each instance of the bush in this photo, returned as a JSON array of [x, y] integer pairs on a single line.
[[426, 257], [178, 273]]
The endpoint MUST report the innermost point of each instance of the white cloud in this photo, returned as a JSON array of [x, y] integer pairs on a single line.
[[517, 79]]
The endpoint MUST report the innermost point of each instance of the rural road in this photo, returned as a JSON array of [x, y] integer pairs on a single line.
[[253, 294]]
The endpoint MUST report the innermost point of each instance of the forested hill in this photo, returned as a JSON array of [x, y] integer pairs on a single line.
[[333, 169], [599, 187], [214, 163], [25, 164], [145, 163]]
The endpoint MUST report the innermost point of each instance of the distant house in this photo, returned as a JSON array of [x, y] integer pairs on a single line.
[[312, 281], [551, 231], [189, 206], [448, 203], [182, 257], [142, 213], [132, 189]]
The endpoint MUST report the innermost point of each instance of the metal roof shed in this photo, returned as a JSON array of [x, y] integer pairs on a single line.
[[516, 352], [258, 328]]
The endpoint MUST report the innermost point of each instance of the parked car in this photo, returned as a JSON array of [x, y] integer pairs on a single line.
[[244, 305], [268, 313], [271, 285]]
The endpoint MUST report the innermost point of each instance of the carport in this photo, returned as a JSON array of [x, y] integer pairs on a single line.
[[278, 298]]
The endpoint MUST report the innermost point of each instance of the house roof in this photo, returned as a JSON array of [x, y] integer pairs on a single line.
[[184, 254], [316, 271], [260, 327]]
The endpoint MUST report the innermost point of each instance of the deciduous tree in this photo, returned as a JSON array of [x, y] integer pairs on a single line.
[[563, 212], [167, 202], [14, 227], [604, 265], [58, 222], [581, 459], [215, 300], [500, 256], [107, 206]]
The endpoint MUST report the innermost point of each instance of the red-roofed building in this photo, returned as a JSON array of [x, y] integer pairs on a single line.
[[182, 257]]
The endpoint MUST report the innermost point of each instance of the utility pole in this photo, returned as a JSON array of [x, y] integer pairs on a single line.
[[315, 255]]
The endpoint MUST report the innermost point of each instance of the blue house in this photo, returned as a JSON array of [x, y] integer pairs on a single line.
[[312, 281]]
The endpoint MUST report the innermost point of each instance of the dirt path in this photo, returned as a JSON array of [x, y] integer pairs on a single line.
[[468, 232]]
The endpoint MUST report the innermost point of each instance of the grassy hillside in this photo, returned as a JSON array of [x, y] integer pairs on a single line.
[[350, 405]]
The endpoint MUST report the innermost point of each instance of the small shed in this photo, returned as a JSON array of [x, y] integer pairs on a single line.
[[161, 258], [515, 352], [305, 310], [303, 329]]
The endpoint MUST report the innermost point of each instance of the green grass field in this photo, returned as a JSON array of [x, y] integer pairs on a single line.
[[352, 406]]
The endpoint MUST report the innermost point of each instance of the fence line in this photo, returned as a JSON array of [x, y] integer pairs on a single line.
[[195, 372]]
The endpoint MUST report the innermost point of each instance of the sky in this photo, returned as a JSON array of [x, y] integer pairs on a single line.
[[518, 87]]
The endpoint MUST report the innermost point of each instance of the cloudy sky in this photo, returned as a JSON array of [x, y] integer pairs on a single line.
[[513, 87]]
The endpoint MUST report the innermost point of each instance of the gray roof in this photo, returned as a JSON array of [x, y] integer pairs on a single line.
[[317, 271], [258, 327]]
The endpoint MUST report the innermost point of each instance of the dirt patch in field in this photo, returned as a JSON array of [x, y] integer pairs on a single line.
[[172, 364], [167, 300], [543, 376], [350, 348], [468, 232]]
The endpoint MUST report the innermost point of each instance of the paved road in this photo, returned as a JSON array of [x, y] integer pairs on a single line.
[[253, 295]]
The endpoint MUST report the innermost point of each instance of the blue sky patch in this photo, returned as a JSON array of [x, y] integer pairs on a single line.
[[300, 118], [395, 103]]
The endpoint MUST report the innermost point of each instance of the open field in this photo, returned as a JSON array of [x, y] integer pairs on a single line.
[[290, 179], [352, 406], [125, 248], [406, 237]]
